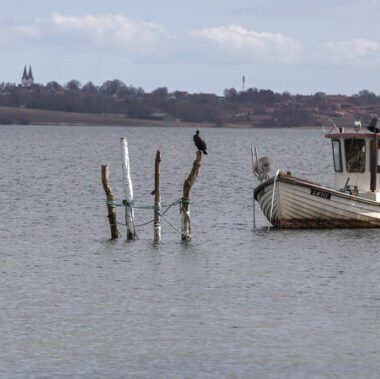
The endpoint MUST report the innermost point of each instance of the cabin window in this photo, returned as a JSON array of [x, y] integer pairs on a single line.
[[337, 155], [355, 154]]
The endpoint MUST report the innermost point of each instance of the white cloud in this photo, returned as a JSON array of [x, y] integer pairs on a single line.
[[13, 34], [113, 30], [238, 40], [353, 51], [28, 31]]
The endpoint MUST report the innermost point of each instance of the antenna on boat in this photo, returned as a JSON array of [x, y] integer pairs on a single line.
[[334, 126], [261, 166]]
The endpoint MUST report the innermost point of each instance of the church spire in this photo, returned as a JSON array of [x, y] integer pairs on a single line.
[[24, 75], [30, 75]]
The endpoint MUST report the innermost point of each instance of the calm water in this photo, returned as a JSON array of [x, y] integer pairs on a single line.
[[233, 302]]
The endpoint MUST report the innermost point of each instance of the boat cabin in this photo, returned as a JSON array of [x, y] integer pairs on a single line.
[[353, 163]]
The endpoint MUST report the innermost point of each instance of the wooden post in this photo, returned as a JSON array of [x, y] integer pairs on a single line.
[[157, 197], [110, 197], [128, 190], [253, 162], [254, 209], [185, 207]]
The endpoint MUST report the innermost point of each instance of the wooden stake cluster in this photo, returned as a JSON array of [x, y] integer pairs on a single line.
[[187, 186], [128, 195], [110, 197]]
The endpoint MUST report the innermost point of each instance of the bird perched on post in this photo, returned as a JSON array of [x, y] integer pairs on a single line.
[[200, 143]]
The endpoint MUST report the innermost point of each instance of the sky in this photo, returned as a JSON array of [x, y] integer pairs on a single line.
[[300, 46]]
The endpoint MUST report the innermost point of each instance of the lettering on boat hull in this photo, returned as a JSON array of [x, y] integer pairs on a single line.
[[319, 193]]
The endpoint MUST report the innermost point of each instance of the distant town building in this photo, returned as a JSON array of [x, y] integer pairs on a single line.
[[27, 79]]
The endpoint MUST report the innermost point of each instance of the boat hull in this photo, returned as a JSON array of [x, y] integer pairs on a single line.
[[297, 203]]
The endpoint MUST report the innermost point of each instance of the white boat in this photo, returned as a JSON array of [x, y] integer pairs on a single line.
[[290, 202]]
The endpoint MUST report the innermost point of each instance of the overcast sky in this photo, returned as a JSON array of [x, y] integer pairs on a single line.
[[301, 46]]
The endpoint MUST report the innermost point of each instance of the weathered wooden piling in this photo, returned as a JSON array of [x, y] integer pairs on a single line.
[[254, 208], [185, 206], [128, 190], [255, 161], [110, 197], [157, 197]]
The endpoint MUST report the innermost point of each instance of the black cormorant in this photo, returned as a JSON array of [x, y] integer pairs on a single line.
[[199, 143]]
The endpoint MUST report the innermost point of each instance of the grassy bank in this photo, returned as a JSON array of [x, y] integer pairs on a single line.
[[22, 116]]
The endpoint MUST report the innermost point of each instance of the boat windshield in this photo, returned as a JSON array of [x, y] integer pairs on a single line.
[[355, 154], [338, 167]]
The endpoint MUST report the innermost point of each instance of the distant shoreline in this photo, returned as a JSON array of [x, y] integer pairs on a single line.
[[25, 116]]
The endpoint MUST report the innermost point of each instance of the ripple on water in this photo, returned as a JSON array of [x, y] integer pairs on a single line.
[[231, 302]]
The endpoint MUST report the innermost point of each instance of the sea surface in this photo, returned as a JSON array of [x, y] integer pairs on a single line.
[[234, 302]]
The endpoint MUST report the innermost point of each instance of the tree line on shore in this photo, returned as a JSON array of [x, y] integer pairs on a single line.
[[259, 107]]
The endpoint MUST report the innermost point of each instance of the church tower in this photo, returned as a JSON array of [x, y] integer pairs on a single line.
[[27, 79]]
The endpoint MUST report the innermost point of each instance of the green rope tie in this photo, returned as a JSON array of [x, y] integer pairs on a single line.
[[183, 201], [131, 204], [156, 208], [114, 204], [128, 203]]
